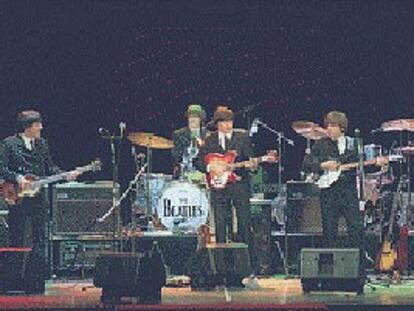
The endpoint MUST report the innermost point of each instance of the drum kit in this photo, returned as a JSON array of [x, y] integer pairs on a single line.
[[178, 206], [398, 171]]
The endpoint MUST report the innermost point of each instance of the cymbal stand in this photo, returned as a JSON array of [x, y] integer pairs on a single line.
[[409, 180], [147, 181], [281, 139]]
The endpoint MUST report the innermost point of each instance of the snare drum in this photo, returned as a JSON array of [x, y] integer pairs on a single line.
[[183, 205], [372, 151]]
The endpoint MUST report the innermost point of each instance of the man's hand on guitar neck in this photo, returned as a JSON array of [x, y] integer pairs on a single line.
[[253, 164], [330, 165], [24, 183]]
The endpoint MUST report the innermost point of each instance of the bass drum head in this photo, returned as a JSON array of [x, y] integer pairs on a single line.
[[183, 206]]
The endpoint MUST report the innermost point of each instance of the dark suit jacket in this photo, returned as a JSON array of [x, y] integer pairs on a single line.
[[16, 159], [240, 142]]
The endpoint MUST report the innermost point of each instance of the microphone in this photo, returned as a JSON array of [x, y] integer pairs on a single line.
[[254, 127], [104, 132], [357, 132], [122, 128]]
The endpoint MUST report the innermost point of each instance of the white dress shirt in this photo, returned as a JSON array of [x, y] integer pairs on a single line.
[[28, 142], [342, 144], [222, 139]]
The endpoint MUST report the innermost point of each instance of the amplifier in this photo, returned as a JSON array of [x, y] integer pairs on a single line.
[[260, 212], [303, 208], [77, 206], [74, 254]]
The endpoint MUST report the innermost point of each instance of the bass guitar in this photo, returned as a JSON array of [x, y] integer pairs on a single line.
[[221, 167], [13, 194]]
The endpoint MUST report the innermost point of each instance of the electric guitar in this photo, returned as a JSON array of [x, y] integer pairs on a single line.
[[329, 177], [221, 166], [388, 255], [14, 195]]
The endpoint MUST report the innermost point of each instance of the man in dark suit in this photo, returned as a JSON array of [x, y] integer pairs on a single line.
[[341, 198], [187, 140], [234, 194], [28, 153]]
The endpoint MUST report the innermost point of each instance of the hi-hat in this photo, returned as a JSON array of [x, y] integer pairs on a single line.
[[398, 125], [309, 130], [149, 140]]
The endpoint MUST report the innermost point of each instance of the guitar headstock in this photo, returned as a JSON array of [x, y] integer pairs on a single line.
[[271, 156]]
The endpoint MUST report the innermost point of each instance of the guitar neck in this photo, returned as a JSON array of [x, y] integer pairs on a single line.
[[350, 166], [245, 163], [60, 177]]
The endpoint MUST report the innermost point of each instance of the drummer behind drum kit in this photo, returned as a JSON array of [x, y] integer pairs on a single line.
[[396, 172], [179, 206]]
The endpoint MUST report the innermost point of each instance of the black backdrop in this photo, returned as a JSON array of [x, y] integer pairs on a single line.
[[89, 64]]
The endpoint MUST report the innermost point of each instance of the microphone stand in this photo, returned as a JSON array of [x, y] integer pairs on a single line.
[[117, 202], [281, 138], [360, 170], [115, 175]]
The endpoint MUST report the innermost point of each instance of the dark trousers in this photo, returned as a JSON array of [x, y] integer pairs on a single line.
[[32, 209], [341, 200], [222, 201]]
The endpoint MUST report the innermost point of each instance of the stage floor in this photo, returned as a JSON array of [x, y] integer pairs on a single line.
[[271, 293]]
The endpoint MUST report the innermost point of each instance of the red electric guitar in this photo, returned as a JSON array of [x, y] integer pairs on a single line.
[[221, 166]]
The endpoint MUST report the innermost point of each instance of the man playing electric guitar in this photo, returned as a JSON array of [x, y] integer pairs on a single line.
[[28, 153], [227, 138], [339, 198]]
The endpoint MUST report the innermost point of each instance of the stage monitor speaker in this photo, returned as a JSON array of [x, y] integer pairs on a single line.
[[77, 206], [140, 275], [331, 269], [220, 264]]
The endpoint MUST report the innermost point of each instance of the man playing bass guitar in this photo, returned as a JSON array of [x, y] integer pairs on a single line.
[[23, 154]]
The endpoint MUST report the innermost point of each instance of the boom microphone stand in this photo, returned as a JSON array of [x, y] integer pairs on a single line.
[[112, 138], [281, 139]]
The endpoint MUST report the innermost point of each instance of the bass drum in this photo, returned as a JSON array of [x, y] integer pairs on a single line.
[[183, 206]]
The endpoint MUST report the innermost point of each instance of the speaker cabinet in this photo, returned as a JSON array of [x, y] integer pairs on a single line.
[[140, 275], [260, 212], [303, 208], [220, 264], [77, 206], [331, 269]]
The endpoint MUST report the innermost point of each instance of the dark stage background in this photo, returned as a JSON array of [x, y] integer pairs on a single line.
[[90, 64]]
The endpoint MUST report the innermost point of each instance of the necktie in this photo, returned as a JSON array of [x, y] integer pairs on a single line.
[[32, 144]]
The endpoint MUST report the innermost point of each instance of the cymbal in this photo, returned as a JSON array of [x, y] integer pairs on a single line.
[[309, 130], [149, 140], [406, 151], [398, 125]]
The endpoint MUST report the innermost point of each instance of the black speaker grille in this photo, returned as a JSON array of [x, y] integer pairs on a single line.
[[76, 209]]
